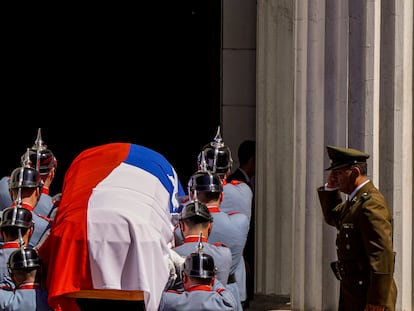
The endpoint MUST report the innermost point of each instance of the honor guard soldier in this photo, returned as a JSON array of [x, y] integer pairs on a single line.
[[26, 187], [237, 196], [24, 267], [16, 228], [196, 222], [42, 159], [231, 229], [216, 157], [365, 265], [202, 291]]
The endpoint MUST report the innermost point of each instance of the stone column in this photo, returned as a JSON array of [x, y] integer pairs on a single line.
[[275, 142], [329, 72]]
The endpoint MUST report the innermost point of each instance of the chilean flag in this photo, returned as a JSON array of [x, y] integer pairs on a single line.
[[113, 226]]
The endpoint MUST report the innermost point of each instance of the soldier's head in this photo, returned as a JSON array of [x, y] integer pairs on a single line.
[[216, 157], [23, 265], [25, 177], [39, 156], [24, 182], [16, 216], [247, 157], [348, 168], [16, 222], [205, 186], [195, 217], [199, 267], [43, 160]]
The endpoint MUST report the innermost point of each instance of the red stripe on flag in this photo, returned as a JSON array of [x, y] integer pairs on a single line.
[[65, 251]]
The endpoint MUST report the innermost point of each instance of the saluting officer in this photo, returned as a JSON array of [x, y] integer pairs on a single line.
[[364, 242]]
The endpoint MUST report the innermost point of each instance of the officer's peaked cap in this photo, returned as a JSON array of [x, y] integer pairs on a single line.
[[342, 157]]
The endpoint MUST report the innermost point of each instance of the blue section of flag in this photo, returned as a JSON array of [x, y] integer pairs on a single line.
[[157, 165]]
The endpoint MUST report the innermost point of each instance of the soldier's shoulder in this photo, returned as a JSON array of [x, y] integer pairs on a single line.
[[373, 197], [365, 196]]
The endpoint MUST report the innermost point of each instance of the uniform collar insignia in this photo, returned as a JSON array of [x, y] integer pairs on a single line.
[[354, 199]]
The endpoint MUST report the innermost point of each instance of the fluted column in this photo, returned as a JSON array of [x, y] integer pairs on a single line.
[[275, 143], [396, 136], [329, 72]]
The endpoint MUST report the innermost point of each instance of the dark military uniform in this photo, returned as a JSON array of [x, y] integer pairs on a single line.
[[364, 244]]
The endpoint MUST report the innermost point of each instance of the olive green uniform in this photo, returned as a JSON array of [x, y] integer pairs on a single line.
[[364, 244]]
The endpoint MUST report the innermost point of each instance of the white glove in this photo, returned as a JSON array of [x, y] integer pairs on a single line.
[[175, 264]]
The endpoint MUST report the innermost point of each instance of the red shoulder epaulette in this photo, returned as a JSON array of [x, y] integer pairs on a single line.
[[44, 217], [232, 213], [236, 182], [6, 287], [219, 244], [219, 290], [174, 291]]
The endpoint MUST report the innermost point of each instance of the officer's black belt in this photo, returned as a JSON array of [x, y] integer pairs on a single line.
[[231, 279], [343, 269]]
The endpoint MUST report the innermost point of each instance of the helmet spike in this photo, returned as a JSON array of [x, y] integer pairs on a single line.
[[200, 245], [217, 156], [18, 200], [21, 176], [204, 166], [218, 140], [196, 205], [21, 241], [39, 143], [26, 162], [24, 257]]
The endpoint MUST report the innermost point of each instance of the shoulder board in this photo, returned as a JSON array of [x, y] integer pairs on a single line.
[[233, 213], [365, 196], [219, 244], [174, 291], [44, 217], [219, 290], [236, 182], [6, 287]]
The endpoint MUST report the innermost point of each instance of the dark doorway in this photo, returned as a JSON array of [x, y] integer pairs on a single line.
[[149, 75]]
